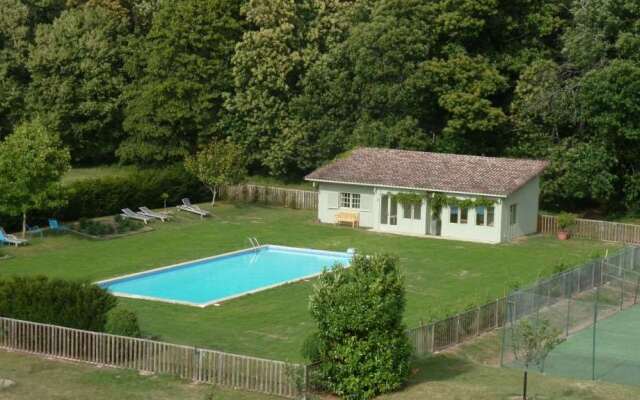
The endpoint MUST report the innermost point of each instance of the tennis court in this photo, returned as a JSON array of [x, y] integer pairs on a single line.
[[617, 351], [594, 308]]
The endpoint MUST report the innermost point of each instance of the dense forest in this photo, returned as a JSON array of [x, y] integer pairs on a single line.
[[297, 82]]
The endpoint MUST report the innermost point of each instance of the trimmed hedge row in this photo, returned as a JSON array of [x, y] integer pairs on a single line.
[[79, 305], [99, 197]]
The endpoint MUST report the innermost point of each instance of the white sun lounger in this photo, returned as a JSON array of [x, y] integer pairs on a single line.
[[153, 214], [192, 208], [127, 213], [11, 239]]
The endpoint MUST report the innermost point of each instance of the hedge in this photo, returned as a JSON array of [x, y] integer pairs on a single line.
[[99, 197], [79, 305]]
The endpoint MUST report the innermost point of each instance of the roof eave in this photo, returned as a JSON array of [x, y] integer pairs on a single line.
[[503, 196]]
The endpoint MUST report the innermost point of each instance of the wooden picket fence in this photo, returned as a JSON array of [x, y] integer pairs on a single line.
[[440, 335], [593, 229], [292, 198], [186, 362]]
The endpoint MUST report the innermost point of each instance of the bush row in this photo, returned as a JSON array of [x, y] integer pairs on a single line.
[[73, 304], [108, 195], [79, 305]]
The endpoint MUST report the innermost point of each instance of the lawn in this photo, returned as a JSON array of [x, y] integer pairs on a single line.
[[469, 373], [78, 173], [441, 275]]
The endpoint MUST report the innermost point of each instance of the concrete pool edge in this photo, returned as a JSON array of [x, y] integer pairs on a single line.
[[219, 256]]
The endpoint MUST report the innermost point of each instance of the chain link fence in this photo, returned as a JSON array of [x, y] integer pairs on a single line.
[[592, 309]]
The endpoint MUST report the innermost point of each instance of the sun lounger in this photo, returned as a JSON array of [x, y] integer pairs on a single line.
[[192, 208], [128, 213], [154, 214], [11, 239], [55, 225]]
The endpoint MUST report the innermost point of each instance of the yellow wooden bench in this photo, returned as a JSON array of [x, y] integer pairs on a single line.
[[349, 218]]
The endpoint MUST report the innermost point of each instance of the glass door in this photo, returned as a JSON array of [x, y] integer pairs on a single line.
[[393, 211], [388, 210]]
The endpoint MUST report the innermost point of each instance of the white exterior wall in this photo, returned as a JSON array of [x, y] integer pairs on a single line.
[[370, 197], [404, 225], [470, 231], [527, 199], [327, 209]]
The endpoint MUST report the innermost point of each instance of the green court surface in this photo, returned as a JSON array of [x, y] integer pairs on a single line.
[[617, 351]]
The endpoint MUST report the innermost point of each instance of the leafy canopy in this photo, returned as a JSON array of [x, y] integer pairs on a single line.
[[32, 162], [218, 163], [77, 80], [182, 77]]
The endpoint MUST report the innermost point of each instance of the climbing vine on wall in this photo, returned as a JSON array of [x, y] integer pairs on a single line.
[[439, 200], [408, 198]]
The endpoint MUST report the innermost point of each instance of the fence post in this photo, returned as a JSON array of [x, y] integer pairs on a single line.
[[305, 382], [478, 322], [433, 337]]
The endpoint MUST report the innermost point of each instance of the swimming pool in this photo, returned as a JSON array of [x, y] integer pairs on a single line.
[[211, 280]]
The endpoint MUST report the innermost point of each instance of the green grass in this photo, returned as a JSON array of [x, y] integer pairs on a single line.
[[440, 274], [469, 373], [78, 174], [38, 378]]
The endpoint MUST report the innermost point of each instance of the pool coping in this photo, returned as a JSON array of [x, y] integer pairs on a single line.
[[223, 255]]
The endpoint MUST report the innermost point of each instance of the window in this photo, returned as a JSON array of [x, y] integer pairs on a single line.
[[355, 200], [464, 215], [453, 215], [513, 214], [490, 214], [480, 215], [412, 211], [350, 200], [484, 216], [417, 211], [406, 210], [345, 200]]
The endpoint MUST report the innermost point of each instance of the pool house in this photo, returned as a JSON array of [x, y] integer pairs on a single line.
[[461, 197]]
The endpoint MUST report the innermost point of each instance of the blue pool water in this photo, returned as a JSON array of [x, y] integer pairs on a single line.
[[204, 282]]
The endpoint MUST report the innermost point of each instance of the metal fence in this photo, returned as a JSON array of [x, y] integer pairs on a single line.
[[292, 198], [593, 229], [186, 362], [443, 334], [585, 306], [440, 335]]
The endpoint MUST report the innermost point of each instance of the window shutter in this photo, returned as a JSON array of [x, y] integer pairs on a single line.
[[366, 201], [332, 198]]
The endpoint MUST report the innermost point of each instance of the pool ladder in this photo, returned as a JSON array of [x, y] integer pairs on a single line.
[[254, 242]]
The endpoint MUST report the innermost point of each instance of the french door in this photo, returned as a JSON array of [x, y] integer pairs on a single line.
[[388, 210]]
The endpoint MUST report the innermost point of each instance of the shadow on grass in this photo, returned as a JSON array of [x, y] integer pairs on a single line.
[[440, 367]]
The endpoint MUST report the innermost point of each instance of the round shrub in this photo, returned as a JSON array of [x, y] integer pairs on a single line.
[[362, 348], [122, 322]]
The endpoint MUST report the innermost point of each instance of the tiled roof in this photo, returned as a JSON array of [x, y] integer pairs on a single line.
[[439, 172]]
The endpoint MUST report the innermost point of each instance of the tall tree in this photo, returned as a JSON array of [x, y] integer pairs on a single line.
[[32, 163], [582, 109], [268, 66], [14, 77], [78, 79], [403, 78], [175, 102]]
